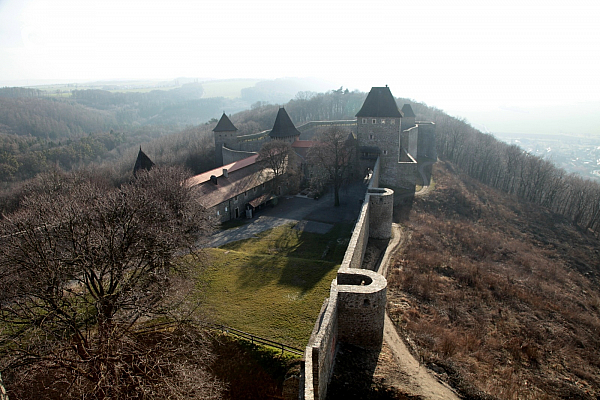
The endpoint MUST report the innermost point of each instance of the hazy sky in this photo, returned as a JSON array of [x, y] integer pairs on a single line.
[[478, 55]]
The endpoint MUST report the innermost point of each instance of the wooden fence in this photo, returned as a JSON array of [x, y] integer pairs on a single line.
[[257, 339]]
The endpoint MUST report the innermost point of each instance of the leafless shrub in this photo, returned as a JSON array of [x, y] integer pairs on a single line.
[[80, 265]]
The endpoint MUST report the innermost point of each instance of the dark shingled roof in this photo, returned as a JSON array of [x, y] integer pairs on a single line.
[[142, 162], [407, 111], [380, 103], [283, 126], [225, 125]]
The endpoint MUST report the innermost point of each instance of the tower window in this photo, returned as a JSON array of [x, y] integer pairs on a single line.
[[371, 136], [364, 120], [392, 121], [383, 121], [385, 152], [374, 121]]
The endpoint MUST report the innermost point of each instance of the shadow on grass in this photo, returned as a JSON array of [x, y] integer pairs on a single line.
[[250, 371], [293, 258], [305, 276]]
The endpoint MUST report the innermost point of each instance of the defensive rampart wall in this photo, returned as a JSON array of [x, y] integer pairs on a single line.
[[312, 128], [230, 156], [355, 310]]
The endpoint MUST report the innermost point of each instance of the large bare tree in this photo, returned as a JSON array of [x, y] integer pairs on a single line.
[[334, 153], [81, 266], [276, 155]]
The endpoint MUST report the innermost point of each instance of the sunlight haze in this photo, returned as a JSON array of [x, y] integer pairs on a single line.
[[485, 61]]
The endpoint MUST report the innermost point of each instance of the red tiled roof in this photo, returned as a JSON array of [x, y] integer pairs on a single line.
[[259, 200], [303, 144], [237, 183], [234, 166]]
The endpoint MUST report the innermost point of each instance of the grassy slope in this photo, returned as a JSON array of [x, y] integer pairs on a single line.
[[274, 285], [501, 296]]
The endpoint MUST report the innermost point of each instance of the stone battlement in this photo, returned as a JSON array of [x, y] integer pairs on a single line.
[[354, 313]]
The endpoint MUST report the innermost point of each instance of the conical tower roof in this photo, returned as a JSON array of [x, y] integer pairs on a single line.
[[225, 125], [142, 162], [283, 126], [407, 111], [380, 103]]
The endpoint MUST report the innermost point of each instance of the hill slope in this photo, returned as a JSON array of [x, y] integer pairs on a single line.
[[498, 297]]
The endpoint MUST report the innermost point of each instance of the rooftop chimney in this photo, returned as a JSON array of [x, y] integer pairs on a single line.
[[225, 173], [213, 179]]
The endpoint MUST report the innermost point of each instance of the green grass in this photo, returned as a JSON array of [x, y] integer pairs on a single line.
[[274, 285], [288, 242]]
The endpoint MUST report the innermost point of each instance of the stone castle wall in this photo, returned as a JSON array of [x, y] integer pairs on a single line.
[[426, 141], [230, 155], [313, 128], [383, 133], [381, 207], [355, 310], [361, 305]]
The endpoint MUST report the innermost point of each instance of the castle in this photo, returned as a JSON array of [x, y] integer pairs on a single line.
[[382, 129], [383, 132], [391, 143]]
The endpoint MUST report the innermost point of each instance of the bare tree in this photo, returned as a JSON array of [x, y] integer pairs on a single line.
[[334, 153], [81, 264], [276, 155]]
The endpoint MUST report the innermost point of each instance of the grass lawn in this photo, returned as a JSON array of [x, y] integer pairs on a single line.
[[273, 285]]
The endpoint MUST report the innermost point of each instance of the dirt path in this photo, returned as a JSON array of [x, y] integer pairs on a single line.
[[396, 363]]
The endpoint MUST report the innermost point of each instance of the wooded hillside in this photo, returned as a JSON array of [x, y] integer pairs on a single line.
[[498, 296]]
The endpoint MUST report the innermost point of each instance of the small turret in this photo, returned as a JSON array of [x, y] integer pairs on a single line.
[[283, 128], [142, 162], [225, 135]]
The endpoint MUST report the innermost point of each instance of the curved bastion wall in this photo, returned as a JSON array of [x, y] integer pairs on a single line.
[[354, 313]]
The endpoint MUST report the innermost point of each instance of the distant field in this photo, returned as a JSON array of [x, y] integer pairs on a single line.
[[64, 90], [274, 285], [227, 88], [231, 88]]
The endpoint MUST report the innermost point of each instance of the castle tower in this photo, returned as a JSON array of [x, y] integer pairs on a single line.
[[142, 162], [225, 135], [408, 117], [379, 124], [283, 128]]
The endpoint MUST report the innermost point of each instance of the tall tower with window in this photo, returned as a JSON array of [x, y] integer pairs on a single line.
[[379, 124]]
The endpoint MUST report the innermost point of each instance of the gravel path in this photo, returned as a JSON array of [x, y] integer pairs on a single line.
[[291, 209], [404, 370]]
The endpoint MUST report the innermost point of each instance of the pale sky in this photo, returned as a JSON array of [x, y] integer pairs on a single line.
[[465, 57]]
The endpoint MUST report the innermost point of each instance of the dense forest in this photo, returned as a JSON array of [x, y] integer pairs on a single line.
[[497, 295]]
